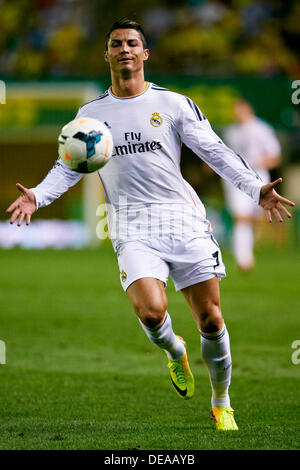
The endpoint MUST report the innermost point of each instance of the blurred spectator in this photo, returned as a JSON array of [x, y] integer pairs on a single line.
[[156, 21], [254, 16], [62, 58], [210, 13], [215, 37]]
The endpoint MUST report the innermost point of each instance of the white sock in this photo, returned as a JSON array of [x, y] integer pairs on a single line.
[[215, 349], [243, 240], [164, 337]]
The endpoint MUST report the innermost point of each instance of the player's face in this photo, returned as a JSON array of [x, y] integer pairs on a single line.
[[125, 52], [243, 111]]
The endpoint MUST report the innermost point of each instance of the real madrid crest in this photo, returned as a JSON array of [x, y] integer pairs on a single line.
[[156, 120], [123, 276]]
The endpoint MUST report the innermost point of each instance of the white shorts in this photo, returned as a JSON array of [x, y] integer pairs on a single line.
[[188, 261]]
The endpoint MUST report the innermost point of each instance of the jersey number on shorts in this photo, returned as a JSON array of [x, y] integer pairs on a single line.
[[216, 255]]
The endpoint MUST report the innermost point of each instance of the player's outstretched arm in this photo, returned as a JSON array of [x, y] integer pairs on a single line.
[[271, 201], [23, 207]]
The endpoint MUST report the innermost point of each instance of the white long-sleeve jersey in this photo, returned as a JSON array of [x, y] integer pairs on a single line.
[[143, 185]]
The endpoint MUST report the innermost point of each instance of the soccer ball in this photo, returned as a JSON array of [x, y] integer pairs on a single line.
[[85, 145]]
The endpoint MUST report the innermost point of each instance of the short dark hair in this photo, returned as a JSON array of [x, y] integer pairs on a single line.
[[125, 23]]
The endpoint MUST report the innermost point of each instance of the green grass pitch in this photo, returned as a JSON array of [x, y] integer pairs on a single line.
[[81, 374]]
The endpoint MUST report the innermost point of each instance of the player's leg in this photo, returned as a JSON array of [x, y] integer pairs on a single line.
[[149, 300], [204, 301], [243, 241], [242, 209], [143, 276]]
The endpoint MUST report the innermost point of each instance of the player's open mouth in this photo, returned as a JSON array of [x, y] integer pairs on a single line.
[[125, 59]]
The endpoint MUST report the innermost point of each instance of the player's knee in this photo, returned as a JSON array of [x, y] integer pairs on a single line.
[[243, 219], [211, 319], [152, 315]]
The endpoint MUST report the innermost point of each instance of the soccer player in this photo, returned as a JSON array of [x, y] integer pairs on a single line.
[[257, 142], [157, 222]]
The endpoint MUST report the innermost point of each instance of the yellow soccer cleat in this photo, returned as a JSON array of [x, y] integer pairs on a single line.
[[223, 417], [181, 376]]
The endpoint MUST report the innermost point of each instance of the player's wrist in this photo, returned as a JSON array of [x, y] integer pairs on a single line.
[[36, 199]]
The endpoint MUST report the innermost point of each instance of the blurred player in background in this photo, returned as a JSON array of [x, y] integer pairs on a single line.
[[148, 124], [256, 141]]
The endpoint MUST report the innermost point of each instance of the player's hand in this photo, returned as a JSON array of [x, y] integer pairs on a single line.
[[271, 201], [23, 207]]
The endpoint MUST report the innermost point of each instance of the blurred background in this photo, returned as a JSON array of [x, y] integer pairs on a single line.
[[79, 372], [215, 52]]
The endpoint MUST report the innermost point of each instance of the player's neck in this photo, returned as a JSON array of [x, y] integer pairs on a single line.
[[128, 86]]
